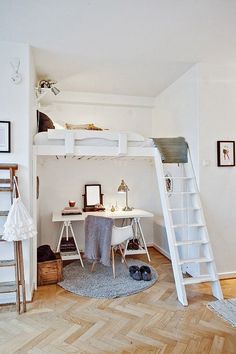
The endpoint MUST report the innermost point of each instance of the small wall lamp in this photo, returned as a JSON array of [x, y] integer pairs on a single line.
[[48, 84], [123, 188]]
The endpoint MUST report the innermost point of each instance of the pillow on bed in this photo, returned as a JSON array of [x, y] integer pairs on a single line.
[[44, 122], [82, 126]]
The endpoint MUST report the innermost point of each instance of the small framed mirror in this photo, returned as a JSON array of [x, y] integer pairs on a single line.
[[93, 197]]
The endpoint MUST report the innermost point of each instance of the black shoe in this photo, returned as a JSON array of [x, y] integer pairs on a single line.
[[146, 273], [135, 272], [133, 269], [136, 275]]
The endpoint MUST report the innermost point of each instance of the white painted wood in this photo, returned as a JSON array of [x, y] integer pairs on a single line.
[[130, 214], [69, 142], [122, 144], [201, 229], [170, 232], [93, 134], [134, 215]]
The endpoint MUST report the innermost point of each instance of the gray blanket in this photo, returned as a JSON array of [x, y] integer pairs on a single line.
[[172, 150], [98, 232]]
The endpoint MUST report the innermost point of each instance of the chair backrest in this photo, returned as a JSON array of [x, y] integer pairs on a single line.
[[121, 234]]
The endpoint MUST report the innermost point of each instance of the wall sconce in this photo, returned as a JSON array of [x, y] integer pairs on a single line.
[[48, 84], [123, 188]]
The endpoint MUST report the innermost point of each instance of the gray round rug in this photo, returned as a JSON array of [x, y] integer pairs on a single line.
[[100, 283]]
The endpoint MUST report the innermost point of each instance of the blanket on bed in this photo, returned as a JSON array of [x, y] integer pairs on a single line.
[[172, 150], [98, 232]]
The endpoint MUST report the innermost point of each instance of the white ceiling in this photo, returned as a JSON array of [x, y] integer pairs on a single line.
[[129, 47]]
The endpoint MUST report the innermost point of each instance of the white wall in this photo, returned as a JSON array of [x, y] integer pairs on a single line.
[[107, 111], [217, 87], [64, 179], [16, 106], [175, 113], [201, 106]]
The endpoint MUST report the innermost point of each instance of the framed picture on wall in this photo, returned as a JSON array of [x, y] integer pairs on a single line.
[[5, 136], [225, 153]]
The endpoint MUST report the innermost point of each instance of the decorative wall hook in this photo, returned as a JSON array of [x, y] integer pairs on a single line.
[[16, 77]]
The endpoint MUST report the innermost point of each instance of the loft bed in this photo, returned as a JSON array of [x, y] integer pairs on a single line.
[[87, 144], [92, 143]]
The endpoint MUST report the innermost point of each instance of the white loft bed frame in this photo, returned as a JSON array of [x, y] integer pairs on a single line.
[[69, 148]]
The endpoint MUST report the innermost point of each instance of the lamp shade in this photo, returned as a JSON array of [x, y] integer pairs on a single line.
[[123, 187]]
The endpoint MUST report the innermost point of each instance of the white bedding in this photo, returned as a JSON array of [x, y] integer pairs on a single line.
[[42, 139]]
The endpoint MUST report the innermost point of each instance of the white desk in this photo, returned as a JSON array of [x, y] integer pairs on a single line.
[[134, 215]]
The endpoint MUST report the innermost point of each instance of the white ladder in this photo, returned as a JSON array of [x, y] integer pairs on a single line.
[[186, 229]]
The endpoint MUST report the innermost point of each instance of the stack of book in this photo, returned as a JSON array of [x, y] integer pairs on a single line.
[[67, 245], [71, 211]]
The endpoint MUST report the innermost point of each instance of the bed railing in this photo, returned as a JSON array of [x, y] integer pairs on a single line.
[[69, 136]]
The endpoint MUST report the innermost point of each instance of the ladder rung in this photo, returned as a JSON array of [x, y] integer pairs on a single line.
[[4, 212], [187, 225], [196, 280], [7, 287], [191, 242], [181, 193], [177, 177], [5, 189], [7, 263], [183, 209], [5, 181], [195, 260]]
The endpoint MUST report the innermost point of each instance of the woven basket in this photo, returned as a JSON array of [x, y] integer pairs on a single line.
[[50, 272]]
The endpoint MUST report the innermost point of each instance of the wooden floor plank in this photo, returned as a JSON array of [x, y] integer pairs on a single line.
[[152, 321]]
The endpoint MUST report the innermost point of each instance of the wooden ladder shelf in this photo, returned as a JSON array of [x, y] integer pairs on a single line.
[[18, 285]]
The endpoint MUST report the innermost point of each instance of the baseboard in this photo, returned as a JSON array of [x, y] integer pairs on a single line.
[[227, 275], [7, 299], [11, 297], [159, 249]]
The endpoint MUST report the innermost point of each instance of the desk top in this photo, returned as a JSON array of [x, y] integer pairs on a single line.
[[135, 213]]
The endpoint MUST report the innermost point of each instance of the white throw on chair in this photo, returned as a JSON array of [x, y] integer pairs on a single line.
[[119, 235]]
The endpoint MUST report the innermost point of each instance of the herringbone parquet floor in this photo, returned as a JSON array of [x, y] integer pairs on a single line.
[[149, 322]]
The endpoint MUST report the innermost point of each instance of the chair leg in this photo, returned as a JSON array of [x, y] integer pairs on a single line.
[[123, 256], [113, 262], [93, 266]]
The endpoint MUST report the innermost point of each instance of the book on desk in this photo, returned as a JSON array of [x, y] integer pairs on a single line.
[[71, 211]]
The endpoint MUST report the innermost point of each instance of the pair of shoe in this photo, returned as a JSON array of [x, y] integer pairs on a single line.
[[142, 273], [133, 244]]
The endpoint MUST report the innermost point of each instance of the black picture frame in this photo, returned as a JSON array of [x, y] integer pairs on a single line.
[[5, 136], [225, 153]]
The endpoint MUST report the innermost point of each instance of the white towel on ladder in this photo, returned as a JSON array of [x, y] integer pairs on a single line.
[[19, 225]]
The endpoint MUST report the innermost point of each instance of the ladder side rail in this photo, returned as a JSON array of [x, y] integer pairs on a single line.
[[193, 251], [211, 267], [169, 230]]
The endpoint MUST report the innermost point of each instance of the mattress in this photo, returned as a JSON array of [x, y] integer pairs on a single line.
[[42, 139]]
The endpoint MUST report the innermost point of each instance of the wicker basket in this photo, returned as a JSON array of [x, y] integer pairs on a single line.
[[50, 272]]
